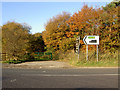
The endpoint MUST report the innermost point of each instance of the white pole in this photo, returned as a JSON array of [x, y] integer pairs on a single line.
[[97, 53], [78, 47], [87, 52], [78, 54]]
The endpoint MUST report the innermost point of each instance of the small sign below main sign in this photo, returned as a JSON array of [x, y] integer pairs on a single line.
[[77, 44], [91, 40]]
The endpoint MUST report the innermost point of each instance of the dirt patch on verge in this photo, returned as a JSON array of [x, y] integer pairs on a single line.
[[39, 65]]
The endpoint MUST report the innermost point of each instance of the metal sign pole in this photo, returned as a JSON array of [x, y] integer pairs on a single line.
[[87, 52], [78, 53], [97, 53], [78, 48]]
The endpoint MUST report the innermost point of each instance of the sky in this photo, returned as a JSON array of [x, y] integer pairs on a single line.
[[36, 14]]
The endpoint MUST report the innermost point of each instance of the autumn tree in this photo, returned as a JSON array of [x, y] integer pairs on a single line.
[[84, 22], [0, 39], [97, 21], [55, 36], [15, 39], [0, 42]]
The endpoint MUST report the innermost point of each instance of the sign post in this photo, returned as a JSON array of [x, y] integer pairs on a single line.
[[87, 52], [97, 53], [78, 45], [91, 40]]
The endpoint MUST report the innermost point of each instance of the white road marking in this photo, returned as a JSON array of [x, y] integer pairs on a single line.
[[13, 80], [44, 71], [50, 75]]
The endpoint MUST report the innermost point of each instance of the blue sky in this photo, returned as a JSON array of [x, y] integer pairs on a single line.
[[36, 14]]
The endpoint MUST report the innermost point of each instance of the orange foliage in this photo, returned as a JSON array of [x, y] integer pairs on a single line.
[[83, 22]]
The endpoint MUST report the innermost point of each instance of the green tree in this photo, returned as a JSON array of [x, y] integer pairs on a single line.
[[36, 43], [109, 27]]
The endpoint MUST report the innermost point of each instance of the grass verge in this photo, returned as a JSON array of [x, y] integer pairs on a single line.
[[102, 63], [105, 59]]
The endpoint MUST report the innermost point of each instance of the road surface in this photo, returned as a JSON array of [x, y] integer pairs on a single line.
[[60, 78]]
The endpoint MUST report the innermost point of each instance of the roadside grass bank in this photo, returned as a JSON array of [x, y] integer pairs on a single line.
[[105, 59], [102, 63]]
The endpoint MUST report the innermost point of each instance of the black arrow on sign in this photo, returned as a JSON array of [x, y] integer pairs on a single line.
[[84, 40]]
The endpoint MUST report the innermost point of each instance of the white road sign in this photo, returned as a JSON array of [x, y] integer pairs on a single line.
[[91, 40]]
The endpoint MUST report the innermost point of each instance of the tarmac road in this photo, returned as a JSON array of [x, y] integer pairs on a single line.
[[60, 78]]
